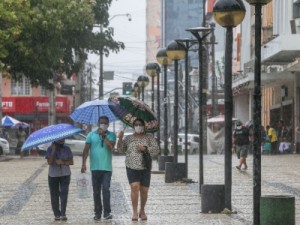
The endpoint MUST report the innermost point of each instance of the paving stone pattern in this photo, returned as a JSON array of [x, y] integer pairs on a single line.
[[25, 200]]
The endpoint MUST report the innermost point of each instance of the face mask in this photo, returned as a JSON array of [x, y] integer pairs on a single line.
[[59, 144], [139, 129], [103, 127]]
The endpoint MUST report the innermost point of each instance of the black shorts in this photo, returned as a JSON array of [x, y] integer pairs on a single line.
[[142, 176]]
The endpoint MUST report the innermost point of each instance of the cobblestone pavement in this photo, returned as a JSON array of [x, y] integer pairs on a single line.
[[24, 195]]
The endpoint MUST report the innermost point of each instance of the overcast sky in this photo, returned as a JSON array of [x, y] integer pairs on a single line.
[[129, 63]]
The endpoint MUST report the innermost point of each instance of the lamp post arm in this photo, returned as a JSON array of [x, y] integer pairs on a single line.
[[128, 15]]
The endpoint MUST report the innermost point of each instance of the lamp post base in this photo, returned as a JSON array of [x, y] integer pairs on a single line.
[[212, 198], [162, 159], [175, 172]]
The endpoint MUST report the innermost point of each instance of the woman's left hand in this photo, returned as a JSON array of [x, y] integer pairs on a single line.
[[140, 148]]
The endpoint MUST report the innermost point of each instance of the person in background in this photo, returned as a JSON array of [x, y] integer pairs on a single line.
[[284, 138], [241, 143], [298, 140], [263, 139], [5, 134], [59, 158], [273, 139], [267, 145], [138, 175], [21, 137], [99, 146]]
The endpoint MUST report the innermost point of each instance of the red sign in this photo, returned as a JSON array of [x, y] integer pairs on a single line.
[[30, 105], [8, 105]]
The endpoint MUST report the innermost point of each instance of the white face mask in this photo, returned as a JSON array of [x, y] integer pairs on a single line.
[[103, 126], [139, 129]]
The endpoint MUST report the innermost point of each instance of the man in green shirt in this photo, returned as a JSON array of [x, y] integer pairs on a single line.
[[99, 146]]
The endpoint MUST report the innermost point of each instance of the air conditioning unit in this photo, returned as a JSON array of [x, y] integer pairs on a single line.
[[274, 69], [297, 22]]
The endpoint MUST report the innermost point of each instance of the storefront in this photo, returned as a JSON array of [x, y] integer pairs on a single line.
[[34, 110]]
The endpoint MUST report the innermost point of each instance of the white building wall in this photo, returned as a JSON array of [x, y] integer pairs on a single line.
[[241, 107], [246, 38], [283, 13]]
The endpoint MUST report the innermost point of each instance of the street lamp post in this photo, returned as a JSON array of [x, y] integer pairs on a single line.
[[201, 33], [153, 69], [187, 43], [257, 111], [175, 52], [164, 60], [214, 88], [152, 72], [143, 81], [228, 14], [101, 89]]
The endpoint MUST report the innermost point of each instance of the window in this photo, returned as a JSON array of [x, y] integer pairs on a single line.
[[43, 90], [21, 87]]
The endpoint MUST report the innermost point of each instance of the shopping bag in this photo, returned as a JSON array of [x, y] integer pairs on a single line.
[[84, 184]]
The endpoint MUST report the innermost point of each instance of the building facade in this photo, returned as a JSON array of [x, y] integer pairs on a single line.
[[280, 56], [31, 104]]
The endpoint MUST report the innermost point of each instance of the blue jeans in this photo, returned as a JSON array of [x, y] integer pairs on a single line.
[[59, 189], [101, 181]]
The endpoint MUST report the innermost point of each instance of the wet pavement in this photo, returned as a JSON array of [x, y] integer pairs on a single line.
[[24, 195]]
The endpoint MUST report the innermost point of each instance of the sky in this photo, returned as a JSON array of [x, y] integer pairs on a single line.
[[129, 63]]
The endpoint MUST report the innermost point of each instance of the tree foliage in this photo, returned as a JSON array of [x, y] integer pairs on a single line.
[[44, 38]]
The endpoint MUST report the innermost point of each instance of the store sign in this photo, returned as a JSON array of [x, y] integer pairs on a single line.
[[44, 106], [8, 105], [31, 105]]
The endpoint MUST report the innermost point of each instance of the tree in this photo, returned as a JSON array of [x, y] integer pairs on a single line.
[[51, 33], [13, 14]]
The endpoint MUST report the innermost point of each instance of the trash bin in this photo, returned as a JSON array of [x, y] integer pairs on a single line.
[[212, 198], [277, 210]]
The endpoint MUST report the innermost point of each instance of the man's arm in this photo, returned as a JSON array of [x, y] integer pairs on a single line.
[[110, 144], [85, 154]]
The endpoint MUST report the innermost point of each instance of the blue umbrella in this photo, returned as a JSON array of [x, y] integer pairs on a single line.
[[50, 134], [89, 112], [8, 121]]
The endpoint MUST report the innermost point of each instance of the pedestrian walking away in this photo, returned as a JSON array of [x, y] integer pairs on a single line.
[[138, 172], [99, 146], [59, 157], [241, 142]]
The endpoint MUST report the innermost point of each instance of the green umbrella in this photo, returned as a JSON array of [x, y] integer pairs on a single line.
[[127, 109]]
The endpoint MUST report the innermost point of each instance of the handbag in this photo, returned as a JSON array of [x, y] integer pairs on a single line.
[[147, 160]]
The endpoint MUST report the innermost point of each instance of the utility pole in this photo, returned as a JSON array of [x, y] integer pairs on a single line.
[[101, 79], [51, 111], [101, 72]]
